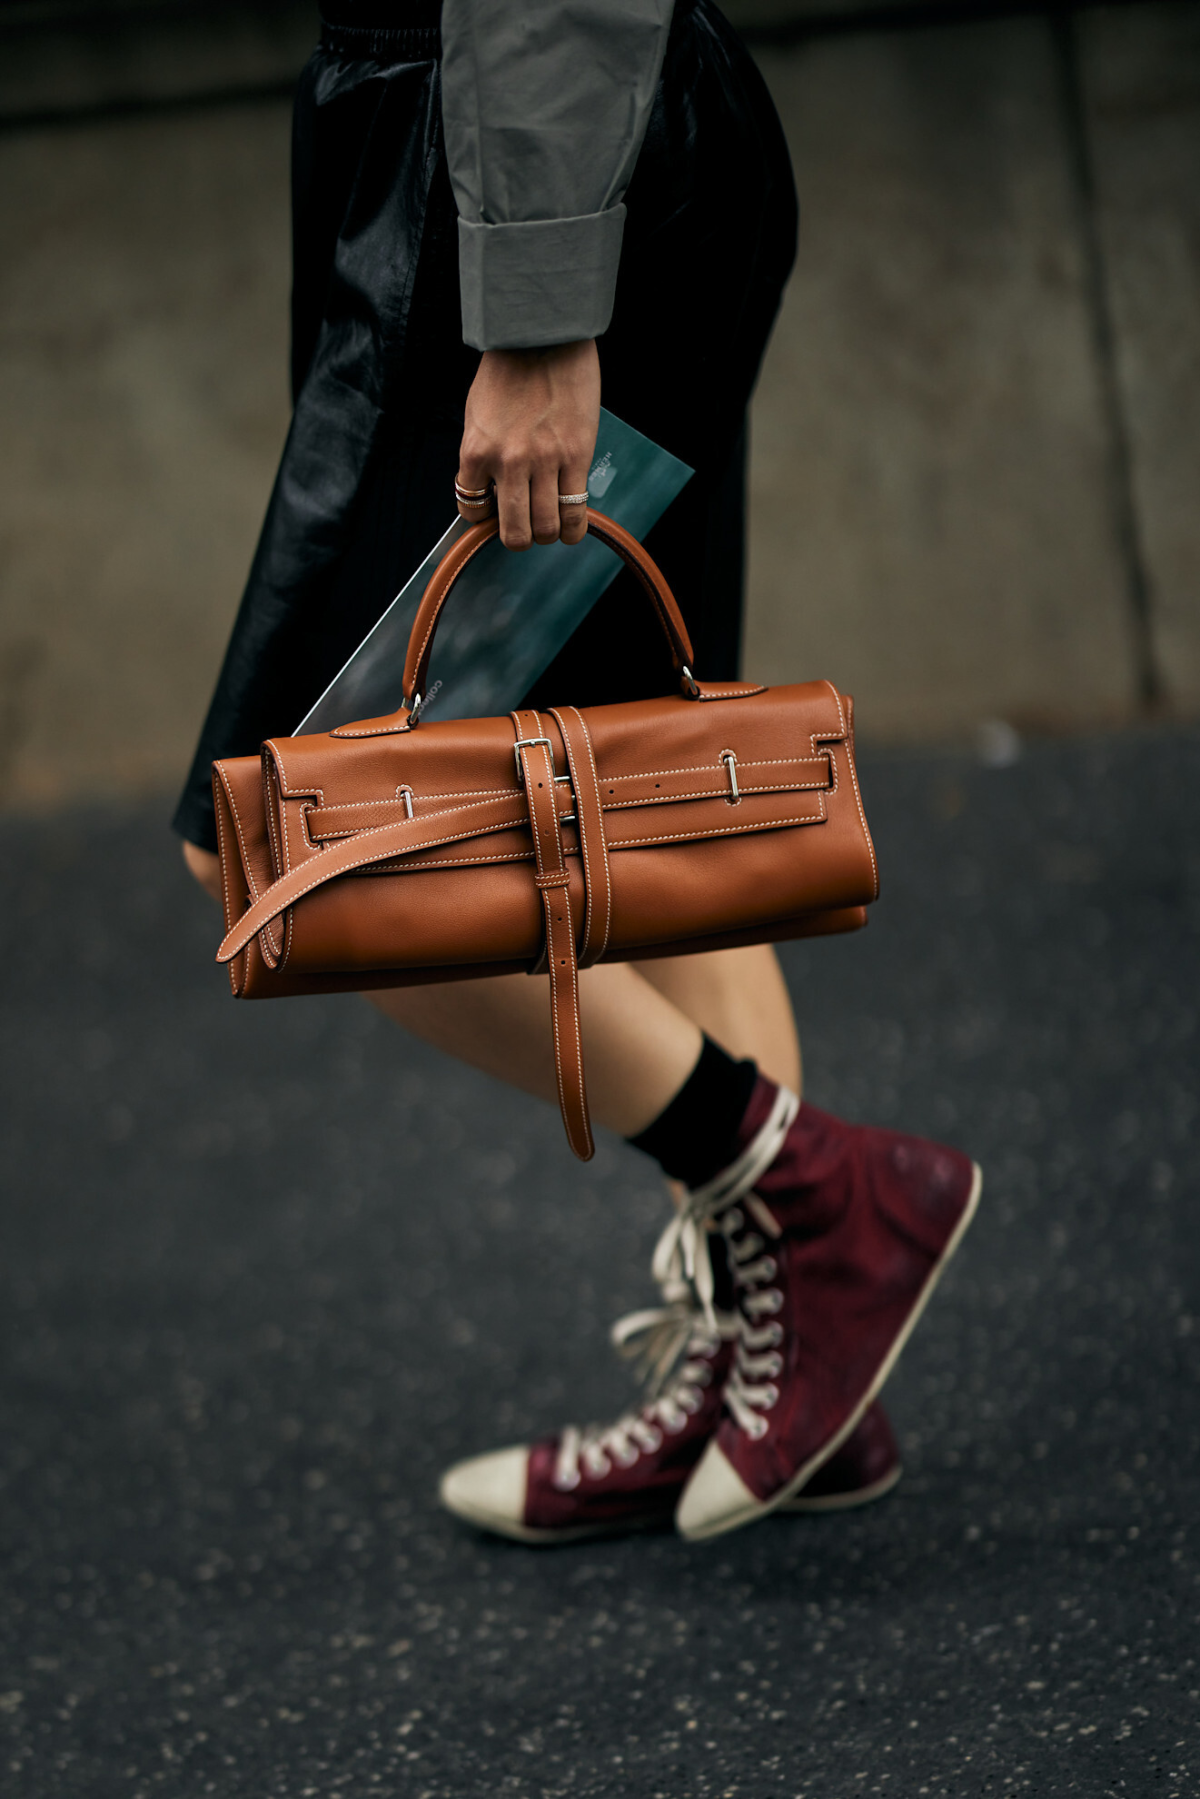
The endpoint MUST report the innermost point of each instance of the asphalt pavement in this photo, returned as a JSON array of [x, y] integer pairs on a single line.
[[264, 1270]]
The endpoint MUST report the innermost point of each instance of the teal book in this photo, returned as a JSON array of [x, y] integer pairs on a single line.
[[508, 615]]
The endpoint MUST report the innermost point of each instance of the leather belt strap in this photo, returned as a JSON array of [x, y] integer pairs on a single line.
[[379, 845], [536, 758], [589, 824]]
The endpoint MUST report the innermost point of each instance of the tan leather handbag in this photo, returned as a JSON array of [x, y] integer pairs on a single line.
[[397, 850]]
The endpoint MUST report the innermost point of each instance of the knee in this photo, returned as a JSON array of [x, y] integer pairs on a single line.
[[204, 867]]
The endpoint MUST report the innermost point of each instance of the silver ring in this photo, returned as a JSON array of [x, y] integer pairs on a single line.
[[573, 499]]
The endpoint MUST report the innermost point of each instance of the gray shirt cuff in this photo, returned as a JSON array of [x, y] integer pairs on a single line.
[[540, 281]]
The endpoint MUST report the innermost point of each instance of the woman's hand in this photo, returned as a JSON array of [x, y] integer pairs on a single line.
[[531, 423]]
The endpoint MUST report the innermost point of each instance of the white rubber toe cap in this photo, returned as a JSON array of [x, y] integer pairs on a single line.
[[489, 1490], [715, 1499]]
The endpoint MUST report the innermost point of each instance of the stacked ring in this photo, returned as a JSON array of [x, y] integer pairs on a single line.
[[573, 499], [476, 497]]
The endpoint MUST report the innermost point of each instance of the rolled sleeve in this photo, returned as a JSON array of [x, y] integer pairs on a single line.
[[538, 281], [545, 104]]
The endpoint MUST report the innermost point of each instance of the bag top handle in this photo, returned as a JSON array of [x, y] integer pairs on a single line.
[[448, 570]]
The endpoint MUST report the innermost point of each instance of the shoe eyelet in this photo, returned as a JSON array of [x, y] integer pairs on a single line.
[[775, 1367], [598, 1469], [770, 1396], [770, 1268], [760, 1430], [567, 1483], [627, 1461], [776, 1336], [657, 1443]]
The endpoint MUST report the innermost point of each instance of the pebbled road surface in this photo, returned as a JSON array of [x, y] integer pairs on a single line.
[[263, 1271]]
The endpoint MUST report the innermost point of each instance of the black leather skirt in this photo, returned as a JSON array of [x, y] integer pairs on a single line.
[[380, 373]]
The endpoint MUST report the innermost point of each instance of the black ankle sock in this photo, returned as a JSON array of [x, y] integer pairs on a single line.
[[695, 1136]]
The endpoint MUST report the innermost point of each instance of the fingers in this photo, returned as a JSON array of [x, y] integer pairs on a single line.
[[530, 428], [487, 484], [473, 487], [512, 496], [530, 502], [543, 489]]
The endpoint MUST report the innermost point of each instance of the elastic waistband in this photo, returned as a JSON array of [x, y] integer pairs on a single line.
[[409, 30]]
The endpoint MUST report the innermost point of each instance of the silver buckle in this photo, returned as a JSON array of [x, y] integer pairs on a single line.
[[528, 743], [567, 818]]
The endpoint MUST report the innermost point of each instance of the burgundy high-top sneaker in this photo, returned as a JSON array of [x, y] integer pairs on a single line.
[[617, 1477], [837, 1235], [629, 1475], [865, 1468]]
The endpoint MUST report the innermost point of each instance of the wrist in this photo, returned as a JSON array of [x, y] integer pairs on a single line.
[[581, 350]]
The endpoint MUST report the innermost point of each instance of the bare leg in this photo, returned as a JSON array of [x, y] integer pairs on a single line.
[[641, 1023], [739, 997], [638, 1048]]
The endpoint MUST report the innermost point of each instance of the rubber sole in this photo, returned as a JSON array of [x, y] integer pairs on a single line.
[[763, 1508], [845, 1502], [522, 1533], [580, 1533]]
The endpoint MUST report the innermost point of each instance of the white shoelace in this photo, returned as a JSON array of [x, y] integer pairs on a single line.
[[683, 1256], [674, 1345]]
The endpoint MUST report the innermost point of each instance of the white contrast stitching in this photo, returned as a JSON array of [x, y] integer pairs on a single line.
[[416, 868], [535, 833], [770, 824], [319, 879], [246, 868], [838, 702], [316, 793], [467, 793], [588, 905], [740, 692], [603, 843], [343, 731], [704, 768], [862, 815], [227, 904], [237, 819], [718, 793]]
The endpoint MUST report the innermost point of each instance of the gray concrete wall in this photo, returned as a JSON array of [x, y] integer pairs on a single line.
[[977, 440], [929, 457], [143, 404], [1141, 82]]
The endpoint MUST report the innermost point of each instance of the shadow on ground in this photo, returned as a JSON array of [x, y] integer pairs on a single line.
[[266, 1269]]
